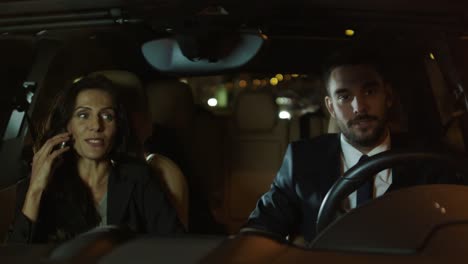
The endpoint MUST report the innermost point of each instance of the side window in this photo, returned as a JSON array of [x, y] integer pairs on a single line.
[[446, 104], [17, 56]]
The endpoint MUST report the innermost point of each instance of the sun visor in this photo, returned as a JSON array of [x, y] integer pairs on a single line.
[[195, 54]]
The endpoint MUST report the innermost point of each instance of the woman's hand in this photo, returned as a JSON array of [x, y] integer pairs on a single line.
[[44, 162]]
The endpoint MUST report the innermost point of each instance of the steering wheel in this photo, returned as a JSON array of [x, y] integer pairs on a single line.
[[356, 176]]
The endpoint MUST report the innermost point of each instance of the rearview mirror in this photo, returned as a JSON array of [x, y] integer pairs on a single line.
[[202, 54]]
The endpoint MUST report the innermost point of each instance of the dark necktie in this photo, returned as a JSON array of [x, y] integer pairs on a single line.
[[366, 191]]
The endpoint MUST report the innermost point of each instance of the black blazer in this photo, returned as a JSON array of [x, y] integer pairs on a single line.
[[135, 199], [309, 169]]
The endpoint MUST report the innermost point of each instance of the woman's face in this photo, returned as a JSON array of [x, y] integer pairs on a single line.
[[93, 124]]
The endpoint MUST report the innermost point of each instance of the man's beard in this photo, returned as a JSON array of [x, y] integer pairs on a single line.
[[366, 140]]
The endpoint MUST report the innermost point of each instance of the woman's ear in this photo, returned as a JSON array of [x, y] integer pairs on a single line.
[[67, 129]]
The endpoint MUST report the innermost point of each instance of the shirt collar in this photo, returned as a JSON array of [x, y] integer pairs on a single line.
[[351, 155]]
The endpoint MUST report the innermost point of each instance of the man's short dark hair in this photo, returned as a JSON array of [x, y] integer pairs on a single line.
[[361, 55]]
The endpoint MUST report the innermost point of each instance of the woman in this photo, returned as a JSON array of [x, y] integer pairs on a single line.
[[81, 177]]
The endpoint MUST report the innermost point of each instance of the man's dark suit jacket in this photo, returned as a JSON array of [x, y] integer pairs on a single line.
[[309, 169], [135, 199]]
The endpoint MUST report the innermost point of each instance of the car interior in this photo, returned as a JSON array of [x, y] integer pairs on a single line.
[[215, 91]]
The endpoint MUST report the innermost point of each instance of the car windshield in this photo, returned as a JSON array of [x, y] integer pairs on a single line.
[[216, 94]]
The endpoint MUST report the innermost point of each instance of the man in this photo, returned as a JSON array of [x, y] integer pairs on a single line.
[[359, 98]]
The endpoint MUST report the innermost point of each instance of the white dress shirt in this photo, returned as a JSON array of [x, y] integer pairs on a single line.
[[350, 156]]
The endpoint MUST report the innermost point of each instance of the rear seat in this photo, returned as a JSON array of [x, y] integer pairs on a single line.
[[136, 104], [175, 183], [257, 139], [192, 137], [309, 125]]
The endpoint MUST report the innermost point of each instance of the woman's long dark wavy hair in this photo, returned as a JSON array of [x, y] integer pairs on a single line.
[[66, 185], [63, 107]]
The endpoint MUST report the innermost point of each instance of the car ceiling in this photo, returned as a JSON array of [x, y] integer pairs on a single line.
[[282, 19], [274, 15], [15, 7]]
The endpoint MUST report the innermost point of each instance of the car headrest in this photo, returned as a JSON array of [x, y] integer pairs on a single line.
[[135, 102], [170, 103], [131, 88], [256, 111]]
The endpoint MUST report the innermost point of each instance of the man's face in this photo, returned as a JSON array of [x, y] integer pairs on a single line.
[[359, 100]]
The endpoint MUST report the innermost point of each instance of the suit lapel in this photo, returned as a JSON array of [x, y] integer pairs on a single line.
[[401, 175], [331, 168], [120, 187]]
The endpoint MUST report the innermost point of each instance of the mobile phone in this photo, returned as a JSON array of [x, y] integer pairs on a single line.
[[62, 145]]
